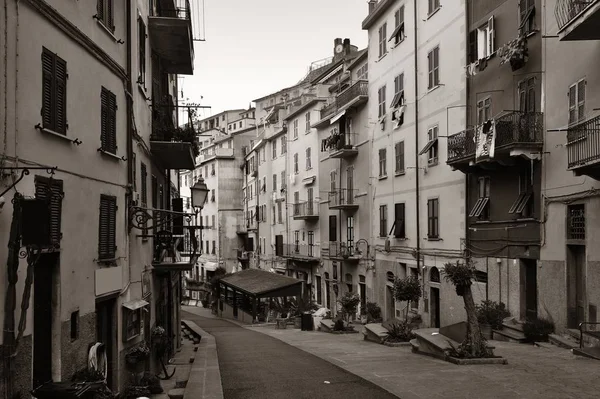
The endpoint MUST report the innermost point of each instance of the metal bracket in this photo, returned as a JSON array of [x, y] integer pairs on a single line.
[[25, 172]]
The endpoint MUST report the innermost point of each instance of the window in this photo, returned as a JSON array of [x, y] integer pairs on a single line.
[[523, 203], [433, 60], [332, 228], [54, 92], [141, 51], [399, 154], [296, 163], [382, 40], [74, 325], [333, 180], [431, 148], [577, 102], [363, 72], [108, 227], [295, 128], [308, 164], [214, 247], [212, 195], [274, 147], [381, 97], [433, 6], [278, 245], [108, 129], [283, 144], [144, 177], [383, 221], [433, 218], [105, 14], [484, 110], [310, 236], [296, 240], [576, 222], [283, 182], [399, 221], [398, 33], [212, 219], [527, 95], [485, 39], [382, 162], [526, 16], [274, 182], [51, 190], [132, 323], [481, 209], [296, 203], [308, 122], [279, 212]]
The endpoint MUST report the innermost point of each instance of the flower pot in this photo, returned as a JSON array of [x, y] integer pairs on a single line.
[[486, 331]]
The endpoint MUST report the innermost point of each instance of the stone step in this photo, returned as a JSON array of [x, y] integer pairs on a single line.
[[592, 353], [176, 393], [512, 324], [508, 335], [563, 342]]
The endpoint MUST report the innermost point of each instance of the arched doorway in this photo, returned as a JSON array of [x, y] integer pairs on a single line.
[[434, 297]]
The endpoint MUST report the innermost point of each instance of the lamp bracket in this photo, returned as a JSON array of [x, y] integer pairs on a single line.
[[139, 217]]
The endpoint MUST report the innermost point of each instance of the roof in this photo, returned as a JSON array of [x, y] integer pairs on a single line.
[[374, 15], [304, 106], [360, 56], [259, 282]]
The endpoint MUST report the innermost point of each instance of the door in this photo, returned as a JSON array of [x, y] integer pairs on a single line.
[[530, 288], [106, 333], [434, 307], [575, 285], [350, 185], [390, 308], [42, 319]]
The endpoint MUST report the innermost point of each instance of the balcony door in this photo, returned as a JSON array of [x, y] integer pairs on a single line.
[[350, 184], [350, 235], [527, 100]]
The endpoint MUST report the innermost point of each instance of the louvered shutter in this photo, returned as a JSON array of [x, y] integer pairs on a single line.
[[60, 95], [399, 229], [104, 119], [112, 231], [144, 177], [100, 9], [472, 55], [112, 126], [107, 227], [581, 100], [51, 191], [110, 19], [47, 89]]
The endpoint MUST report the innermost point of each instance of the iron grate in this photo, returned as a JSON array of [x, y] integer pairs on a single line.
[[576, 222]]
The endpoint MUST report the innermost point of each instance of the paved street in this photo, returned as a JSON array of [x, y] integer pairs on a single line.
[[546, 372], [254, 365]]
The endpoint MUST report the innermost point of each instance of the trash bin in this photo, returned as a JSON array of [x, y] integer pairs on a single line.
[[306, 322]]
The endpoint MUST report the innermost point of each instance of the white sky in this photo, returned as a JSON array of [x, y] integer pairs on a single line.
[[254, 48]]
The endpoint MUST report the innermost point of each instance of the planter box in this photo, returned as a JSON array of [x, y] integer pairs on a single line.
[[343, 332], [397, 344], [486, 360]]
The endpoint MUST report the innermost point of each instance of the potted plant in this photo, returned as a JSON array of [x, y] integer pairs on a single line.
[[160, 341], [399, 332], [407, 289], [373, 313], [349, 302], [490, 315], [136, 356]]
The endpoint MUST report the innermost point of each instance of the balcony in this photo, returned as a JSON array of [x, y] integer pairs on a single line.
[[342, 145], [302, 252], [174, 147], [199, 284], [176, 249], [583, 148], [578, 19], [354, 96], [171, 36], [217, 153], [343, 251], [343, 199], [306, 211], [251, 224], [517, 134]]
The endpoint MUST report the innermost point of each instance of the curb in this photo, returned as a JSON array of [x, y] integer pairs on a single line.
[[205, 376]]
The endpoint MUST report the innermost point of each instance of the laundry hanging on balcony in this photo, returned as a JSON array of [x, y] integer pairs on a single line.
[[514, 52], [486, 139]]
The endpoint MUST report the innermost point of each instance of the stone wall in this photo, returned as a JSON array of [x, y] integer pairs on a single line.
[[74, 353], [21, 376]]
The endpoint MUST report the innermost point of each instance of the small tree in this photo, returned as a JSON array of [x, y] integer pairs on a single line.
[[461, 276], [349, 302], [407, 289]]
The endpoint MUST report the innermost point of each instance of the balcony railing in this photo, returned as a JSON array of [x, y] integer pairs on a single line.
[[306, 210], [513, 129], [342, 145], [358, 90], [329, 109], [342, 198], [583, 144], [175, 147], [342, 250], [578, 19], [227, 153], [174, 251], [301, 251]]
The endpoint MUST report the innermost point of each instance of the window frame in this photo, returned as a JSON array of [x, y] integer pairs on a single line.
[[399, 25], [432, 152], [296, 167], [54, 89], [108, 121], [382, 162], [481, 209], [433, 68], [107, 228], [399, 154], [383, 231], [307, 118], [105, 14], [433, 218], [432, 7], [577, 106], [382, 40], [308, 158], [142, 43], [381, 101], [484, 110], [399, 228]]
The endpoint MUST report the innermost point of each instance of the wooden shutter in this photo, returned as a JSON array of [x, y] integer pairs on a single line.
[[107, 227], [279, 245], [472, 54], [332, 228], [110, 18], [581, 100], [60, 95], [51, 191], [399, 229], [144, 177], [47, 89], [572, 103], [112, 126], [100, 9]]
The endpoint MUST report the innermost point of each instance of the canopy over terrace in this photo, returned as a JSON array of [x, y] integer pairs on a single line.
[[244, 290]]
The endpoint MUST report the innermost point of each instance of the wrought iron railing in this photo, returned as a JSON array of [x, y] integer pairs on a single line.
[[328, 109], [566, 10], [341, 141], [461, 145], [341, 249], [306, 209], [181, 10], [360, 88], [301, 250], [341, 197], [170, 247], [583, 143]]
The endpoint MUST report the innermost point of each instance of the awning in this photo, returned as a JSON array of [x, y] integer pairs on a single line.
[[135, 304], [396, 31], [263, 284], [210, 266], [337, 117], [398, 99], [428, 146]]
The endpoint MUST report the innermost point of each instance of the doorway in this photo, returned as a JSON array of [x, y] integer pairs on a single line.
[[529, 292], [106, 333], [575, 285], [434, 307], [390, 308], [43, 293]]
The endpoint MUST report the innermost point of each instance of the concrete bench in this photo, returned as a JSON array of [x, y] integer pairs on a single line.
[[327, 325], [375, 332]]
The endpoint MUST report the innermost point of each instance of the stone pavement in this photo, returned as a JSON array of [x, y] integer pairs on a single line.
[[532, 372]]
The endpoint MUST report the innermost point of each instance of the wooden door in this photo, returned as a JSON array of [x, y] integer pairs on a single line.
[[42, 319]]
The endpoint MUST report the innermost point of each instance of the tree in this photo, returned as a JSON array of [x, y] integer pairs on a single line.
[[407, 289], [461, 276], [349, 302]]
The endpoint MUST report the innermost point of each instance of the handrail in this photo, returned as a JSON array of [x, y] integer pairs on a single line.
[[581, 330], [566, 10]]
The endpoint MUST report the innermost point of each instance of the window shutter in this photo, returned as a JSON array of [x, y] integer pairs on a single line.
[[47, 89], [472, 55], [333, 228], [572, 107], [51, 191], [581, 100], [112, 117], [491, 36], [144, 177], [107, 227], [104, 119], [110, 18], [399, 231], [60, 96], [100, 9]]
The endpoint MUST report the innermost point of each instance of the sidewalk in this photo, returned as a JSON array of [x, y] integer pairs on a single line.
[[532, 372]]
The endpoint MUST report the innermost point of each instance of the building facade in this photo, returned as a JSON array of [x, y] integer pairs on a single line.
[[97, 279]]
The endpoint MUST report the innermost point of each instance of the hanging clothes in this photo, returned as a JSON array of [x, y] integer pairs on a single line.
[[97, 359]]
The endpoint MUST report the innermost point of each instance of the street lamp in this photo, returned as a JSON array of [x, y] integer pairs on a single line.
[[199, 193]]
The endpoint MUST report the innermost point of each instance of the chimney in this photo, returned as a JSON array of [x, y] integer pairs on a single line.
[[347, 49], [372, 4]]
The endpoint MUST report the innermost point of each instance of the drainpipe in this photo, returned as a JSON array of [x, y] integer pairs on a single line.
[[129, 134], [417, 188]]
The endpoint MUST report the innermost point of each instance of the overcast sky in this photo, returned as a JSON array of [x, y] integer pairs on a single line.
[[254, 48]]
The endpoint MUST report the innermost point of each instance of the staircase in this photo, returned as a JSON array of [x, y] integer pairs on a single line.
[[512, 331], [589, 340]]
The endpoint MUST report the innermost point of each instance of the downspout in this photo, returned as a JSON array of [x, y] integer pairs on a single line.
[[129, 134], [417, 188]]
